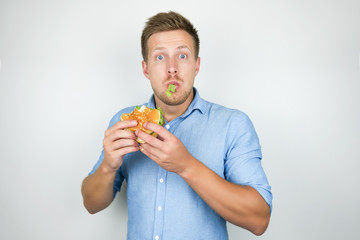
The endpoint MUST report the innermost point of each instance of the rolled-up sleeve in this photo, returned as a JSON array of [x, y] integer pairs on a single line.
[[243, 157]]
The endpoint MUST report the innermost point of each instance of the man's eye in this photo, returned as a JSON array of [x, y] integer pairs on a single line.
[[182, 56], [160, 57]]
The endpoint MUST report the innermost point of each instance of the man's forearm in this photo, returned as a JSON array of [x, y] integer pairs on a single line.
[[97, 190], [240, 205]]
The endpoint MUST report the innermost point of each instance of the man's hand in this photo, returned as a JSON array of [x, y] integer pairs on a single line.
[[117, 142], [166, 150]]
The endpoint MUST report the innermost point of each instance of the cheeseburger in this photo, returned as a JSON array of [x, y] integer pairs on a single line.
[[141, 115]]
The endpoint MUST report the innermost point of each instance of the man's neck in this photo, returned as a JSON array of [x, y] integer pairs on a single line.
[[172, 112]]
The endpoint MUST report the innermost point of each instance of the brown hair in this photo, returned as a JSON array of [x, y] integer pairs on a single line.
[[167, 22]]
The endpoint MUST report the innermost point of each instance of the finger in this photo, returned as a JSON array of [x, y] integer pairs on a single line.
[[155, 152], [120, 125], [149, 139], [162, 132], [121, 134], [146, 151], [126, 150], [122, 143]]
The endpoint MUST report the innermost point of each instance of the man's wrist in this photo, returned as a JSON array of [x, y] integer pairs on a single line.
[[106, 169], [190, 170]]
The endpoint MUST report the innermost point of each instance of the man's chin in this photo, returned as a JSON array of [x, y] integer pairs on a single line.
[[175, 99], [172, 100]]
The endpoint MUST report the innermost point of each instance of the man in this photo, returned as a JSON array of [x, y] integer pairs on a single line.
[[204, 167]]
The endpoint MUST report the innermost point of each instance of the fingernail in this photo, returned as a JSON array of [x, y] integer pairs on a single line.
[[134, 122], [136, 132], [145, 124]]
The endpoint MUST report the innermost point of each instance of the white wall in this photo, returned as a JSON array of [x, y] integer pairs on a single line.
[[68, 66]]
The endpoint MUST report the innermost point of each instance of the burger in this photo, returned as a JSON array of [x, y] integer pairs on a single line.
[[144, 114]]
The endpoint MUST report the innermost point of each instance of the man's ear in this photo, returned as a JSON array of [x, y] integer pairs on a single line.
[[145, 69], [197, 66]]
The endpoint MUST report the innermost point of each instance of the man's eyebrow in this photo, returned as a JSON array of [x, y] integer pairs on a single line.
[[182, 47], [177, 48], [158, 48]]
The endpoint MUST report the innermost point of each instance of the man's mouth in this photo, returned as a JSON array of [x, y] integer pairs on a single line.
[[173, 82]]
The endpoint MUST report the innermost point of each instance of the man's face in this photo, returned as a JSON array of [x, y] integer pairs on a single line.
[[171, 60]]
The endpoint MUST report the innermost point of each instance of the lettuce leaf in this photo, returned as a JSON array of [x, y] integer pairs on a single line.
[[171, 88], [161, 122]]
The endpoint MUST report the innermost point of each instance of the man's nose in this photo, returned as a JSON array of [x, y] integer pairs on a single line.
[[172, 67]]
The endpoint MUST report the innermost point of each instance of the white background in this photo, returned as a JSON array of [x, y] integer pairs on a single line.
[[68, 66]]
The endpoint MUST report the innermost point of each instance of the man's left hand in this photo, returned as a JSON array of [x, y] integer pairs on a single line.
[[166, 150]]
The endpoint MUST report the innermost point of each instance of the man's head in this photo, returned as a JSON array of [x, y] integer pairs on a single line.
[[170, 21], [170, 57]]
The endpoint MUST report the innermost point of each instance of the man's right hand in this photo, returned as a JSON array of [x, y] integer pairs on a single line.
[[98, 188], [117, 142]]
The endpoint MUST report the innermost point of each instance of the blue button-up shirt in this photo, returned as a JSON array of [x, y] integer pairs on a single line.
[[161, 205]]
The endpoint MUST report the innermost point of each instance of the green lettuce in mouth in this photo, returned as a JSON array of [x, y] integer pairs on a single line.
[[171, 88]]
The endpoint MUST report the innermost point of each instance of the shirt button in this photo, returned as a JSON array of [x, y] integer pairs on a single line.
[[167, 126], [159, 208], [161, 180], [157, 237]]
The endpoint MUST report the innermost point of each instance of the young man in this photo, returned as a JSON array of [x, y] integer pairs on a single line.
[[204, 167]]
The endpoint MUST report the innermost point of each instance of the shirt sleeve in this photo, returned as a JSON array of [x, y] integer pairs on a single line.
[[243, 157], [119, 178]]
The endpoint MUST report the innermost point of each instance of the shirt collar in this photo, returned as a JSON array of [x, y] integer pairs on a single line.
[[196, 104]]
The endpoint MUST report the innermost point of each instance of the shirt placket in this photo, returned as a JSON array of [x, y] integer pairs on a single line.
[[161, 195], [160, 204]]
